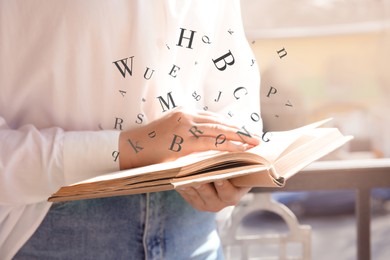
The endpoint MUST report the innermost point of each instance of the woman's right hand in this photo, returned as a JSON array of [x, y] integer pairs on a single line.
[[180, 133]]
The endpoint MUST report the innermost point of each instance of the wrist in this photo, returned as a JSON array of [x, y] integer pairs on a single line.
[[124, 152]]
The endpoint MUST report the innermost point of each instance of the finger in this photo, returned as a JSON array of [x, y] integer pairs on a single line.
[[213, 118], [210, 143], [191, 195], [215, 124], [221, 132], [208, 198], [202, 197], [191, 117], [228, 193]]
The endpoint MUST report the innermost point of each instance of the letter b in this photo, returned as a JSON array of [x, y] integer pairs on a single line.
[[176, 143], [221, 62]]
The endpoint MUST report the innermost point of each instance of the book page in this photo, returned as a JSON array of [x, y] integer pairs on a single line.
[[234, 176], [281, 140], [312, 146], [154, 168]]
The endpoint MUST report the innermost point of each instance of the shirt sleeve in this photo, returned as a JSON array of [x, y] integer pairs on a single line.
[[34, 163]]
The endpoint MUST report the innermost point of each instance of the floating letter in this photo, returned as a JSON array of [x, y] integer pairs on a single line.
[[224, 59], [164, 104], [118, 122], [255, 117], [136, 148], [238, 89], [125, 67], [152, 134], [282, 53], [196, 96], [218, 139], [272, 90], [219, 96], [193, 130], [139, 120], [206, 39], [146, 72], [264, 137], [177, 140], [191, 38], [115, 154], [174, 70], [122, 92], [239, 133]]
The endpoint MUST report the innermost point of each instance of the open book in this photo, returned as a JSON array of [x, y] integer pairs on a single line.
[[269, 164]]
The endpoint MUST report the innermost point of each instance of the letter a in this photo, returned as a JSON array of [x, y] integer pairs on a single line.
[[223, 59]]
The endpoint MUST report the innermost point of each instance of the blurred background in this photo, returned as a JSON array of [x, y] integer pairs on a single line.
[[337, 64], [326, 58]]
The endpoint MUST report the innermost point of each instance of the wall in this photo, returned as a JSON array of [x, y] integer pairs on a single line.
[[345, 76]]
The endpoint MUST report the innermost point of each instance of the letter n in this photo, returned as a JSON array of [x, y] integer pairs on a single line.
[[246, 133]]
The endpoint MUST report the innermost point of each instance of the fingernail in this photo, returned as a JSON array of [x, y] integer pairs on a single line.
[[219, 183], [198, 186], [243, 147]]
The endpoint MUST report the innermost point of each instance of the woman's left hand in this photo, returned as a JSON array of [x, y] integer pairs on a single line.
[[213, 197]]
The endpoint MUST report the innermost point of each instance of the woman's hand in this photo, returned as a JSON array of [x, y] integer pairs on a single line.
[[213, 196], [180, 133]]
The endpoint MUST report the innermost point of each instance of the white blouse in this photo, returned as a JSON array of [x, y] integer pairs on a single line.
[[75, 73]]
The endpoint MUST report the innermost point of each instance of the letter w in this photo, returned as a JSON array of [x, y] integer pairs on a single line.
[[122, 69]]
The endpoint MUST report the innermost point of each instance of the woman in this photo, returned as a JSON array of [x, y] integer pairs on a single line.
[[90, 87]]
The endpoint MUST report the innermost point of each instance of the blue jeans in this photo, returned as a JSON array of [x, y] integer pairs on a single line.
[[146, 226]]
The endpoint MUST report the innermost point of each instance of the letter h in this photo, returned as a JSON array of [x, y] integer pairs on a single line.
[[191, 38]]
